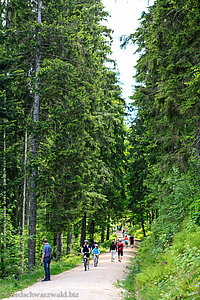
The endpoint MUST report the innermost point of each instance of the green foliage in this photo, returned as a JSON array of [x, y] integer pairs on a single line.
[[173, 272], [106, 245], [164, 150], [80, 157], [137, 232]]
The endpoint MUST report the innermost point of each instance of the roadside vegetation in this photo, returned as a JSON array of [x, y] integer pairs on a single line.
[[170, 273], [164, 154], [9, 285]]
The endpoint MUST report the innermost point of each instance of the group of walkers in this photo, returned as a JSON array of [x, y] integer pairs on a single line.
[[116, 246], [131, 240]]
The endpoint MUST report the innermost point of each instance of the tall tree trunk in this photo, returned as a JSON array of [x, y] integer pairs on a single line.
[[102, 233], [143, 229], [33, 203], [69, 239], [150, 218], [28, 185], [197, 115], [3, 258], [75, 231], [83, 229], [153, 215], [91, 231], [59, 251], [54, 243], [23, 196], [157, 213], [108, 228]]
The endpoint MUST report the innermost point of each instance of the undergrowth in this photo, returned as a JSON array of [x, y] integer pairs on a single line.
[[9, 285], [170, 272]]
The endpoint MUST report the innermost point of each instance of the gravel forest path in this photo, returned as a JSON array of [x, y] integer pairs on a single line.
[[97, 283]]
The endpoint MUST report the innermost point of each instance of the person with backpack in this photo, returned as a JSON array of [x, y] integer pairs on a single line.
[[113, 248], [86, 251], [120, 247]]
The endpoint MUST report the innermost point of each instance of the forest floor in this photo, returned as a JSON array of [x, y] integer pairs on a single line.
[[98, 283]]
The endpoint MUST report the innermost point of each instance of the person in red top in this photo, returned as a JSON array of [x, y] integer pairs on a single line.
[[120, 247], [126, 241]]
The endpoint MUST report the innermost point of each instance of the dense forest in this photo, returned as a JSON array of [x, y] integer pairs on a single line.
[[164, 151], [62, 129], [71, 168]]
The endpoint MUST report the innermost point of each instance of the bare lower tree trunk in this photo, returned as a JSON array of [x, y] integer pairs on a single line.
[[28, 186], [33, 203], [75, 231], [150, 218], [102, 233], [197, 114], [91, 230], [143, 229], [153, 215], [108, 228], [83, 229], [3, 258], [69, 239], [59, 251], [157, 213], [23, 198]]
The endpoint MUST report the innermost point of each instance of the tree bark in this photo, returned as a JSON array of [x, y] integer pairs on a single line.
[[197, 115], [69, 239], [23, 196], [33, 203], [102, 233], [150, 218], [3, 258], [157, 214], [143, 229], [108, 228], [91, 230], [153, 215], [75, 231], [83, 229], [28, 185], [59, 251]]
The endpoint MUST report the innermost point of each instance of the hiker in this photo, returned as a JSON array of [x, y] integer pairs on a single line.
[[120, 247], [126, 240], [113, 248], [131, 240], [46, 259]]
